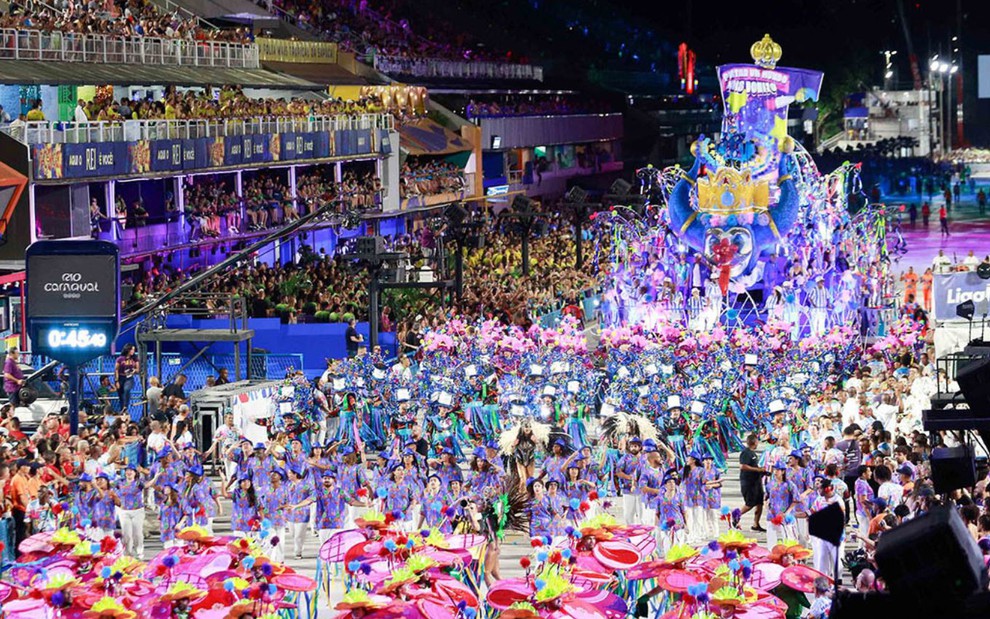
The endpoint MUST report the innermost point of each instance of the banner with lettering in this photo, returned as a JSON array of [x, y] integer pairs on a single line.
[[952, 289], [94, 159], [255, 149], [166, 155], [233, 151], [195, 153], [139, 157]]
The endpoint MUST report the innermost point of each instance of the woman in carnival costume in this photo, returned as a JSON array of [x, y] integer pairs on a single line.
[[712, 496], [694, 499], [671, 513], [781, 497], [520, 444], [577, 419]]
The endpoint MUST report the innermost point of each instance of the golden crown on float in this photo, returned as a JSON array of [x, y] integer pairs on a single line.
[[766, 52], [731, 192]]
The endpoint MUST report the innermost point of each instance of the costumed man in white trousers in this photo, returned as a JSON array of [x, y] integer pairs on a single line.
[[825, 554], [629, 468]]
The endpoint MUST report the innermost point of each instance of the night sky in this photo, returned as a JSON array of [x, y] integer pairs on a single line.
[[818, 33]]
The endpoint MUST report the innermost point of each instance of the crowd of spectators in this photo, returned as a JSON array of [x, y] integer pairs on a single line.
[[229, 102], [381, 29], [529, 105], [428, 177], [116, 18], [212, 209], [323, 288]]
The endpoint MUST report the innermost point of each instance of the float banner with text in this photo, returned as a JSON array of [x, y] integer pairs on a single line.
[[953, 289]]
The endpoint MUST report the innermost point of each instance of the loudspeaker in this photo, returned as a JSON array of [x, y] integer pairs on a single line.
[[931, 561], [953, 468], [974, 382], [576, 195], [620, 187], [966, 309], [371, 245], [827, 524]]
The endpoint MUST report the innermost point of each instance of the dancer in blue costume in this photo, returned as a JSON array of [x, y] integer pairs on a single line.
[[706, 433], [677, 429], [348, 420], [576, 421]]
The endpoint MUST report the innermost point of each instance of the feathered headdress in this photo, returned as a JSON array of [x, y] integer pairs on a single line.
[[507, 441], [622, 425]]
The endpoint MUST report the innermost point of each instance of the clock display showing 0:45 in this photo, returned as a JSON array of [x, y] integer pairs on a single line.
[[82, 339]]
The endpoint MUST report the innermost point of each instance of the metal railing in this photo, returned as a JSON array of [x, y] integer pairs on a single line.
[[458, 69], [285, 50], [25, 44], [47, 132]]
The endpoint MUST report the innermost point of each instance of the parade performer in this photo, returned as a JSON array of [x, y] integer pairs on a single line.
[[520, 443], [781, 496]]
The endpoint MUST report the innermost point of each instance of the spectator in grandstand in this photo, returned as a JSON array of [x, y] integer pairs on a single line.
[[430, 177], [522, 105], [35, 114]]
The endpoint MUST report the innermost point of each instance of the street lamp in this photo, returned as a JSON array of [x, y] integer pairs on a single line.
[[942, 71]]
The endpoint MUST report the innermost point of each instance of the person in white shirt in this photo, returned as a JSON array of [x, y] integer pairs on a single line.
[[79, 115], [850, 409], [890, 491], [153, 395], [941, 263], [971, 261], [156, 439], [886, 412]]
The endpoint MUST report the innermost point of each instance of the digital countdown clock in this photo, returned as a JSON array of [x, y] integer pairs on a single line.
[[73, 299], [75, 337]]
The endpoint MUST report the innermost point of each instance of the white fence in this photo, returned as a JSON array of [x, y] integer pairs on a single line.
[[457, 69], [24, 44], [46, 132]]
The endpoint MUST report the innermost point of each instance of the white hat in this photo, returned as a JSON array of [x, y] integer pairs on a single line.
[[517, 411], [700, 390], [359, 381], [816, 367], [607, 410], [558, 367], [445, 399], [535, 370], [674, 401], [622, 372], [550, 390], [776, 406], [644, 391], [750, 359], [339, 384], [574, 386], [378, 373], [667, 369], [650, 369], [716, 383], [401, 395], [697, 407], [471, 371]]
